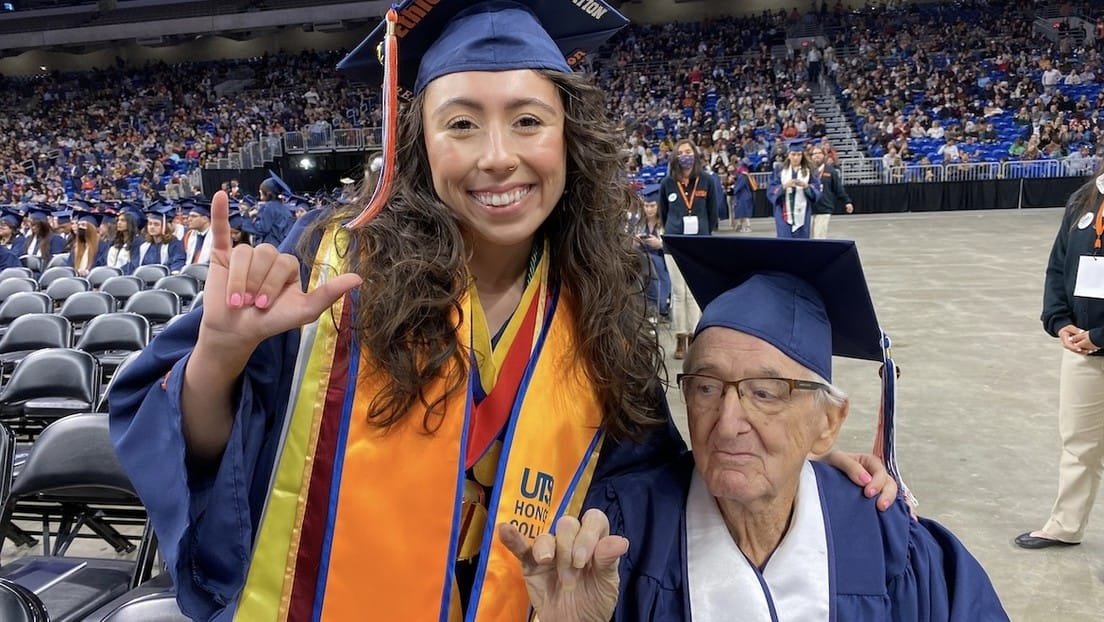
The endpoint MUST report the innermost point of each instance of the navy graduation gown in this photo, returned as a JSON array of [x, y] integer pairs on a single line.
[[55, 241], [174, 255], [274, 221], [99, 260], [19, 245], [205, 520], [8, 259], [883, 565]]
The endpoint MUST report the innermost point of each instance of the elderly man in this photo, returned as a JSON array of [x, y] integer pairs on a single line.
[[746, 527]]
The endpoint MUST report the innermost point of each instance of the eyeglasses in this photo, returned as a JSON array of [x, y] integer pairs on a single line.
[[765, 396]]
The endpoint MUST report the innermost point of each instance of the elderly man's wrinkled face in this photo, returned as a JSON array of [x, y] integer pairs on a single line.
[[751, 450]]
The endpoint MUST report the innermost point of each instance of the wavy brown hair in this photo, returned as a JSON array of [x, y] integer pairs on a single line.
[[414, 264]]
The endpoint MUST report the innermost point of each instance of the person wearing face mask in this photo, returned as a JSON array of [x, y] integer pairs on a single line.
[[1073, 312], [88, 251], [689, 204]]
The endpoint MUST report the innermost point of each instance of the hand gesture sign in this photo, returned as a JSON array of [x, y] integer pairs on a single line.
[[254, 293], [571, 576]]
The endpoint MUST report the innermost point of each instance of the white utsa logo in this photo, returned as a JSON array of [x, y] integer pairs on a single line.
[[591, 8]]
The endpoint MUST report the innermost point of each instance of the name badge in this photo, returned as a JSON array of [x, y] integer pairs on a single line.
[[1085, 221], [690, 225], [1090, 277]]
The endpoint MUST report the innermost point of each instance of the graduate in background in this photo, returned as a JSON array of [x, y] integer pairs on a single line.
[[743, 197], [88, 251], [274, 218], [197, 239], [745, 526], [158, 245], [10, 237], [793, 190], [42, 242]]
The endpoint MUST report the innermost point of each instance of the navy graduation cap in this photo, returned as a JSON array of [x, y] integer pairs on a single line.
[[198, 205], [235, 220], [796, 144], [449, 36], [12, 218], [162, 210], [650, 193], [276, 186], [39, 212], [421, 40], [808, 298]]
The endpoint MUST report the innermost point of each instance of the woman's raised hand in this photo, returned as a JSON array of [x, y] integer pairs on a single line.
[[571, 576], [254, 293]]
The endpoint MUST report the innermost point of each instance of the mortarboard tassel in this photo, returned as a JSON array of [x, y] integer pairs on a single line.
[[885, 443], [390, 60]]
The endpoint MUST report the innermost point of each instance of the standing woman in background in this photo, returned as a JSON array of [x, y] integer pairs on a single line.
[[689, 204], [743, 198], [793, 191], [1073, 311], [649, 237]]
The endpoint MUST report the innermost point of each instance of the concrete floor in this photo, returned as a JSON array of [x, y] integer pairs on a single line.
[[960, 296]]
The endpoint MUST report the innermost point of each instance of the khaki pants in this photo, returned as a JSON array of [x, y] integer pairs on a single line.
[[820, 226], [1081, 426], [685, 312]]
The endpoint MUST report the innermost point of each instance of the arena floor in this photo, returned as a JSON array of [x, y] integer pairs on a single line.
[[960, 294]]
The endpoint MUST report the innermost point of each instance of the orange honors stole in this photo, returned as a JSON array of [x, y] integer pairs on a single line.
[[365, 524]]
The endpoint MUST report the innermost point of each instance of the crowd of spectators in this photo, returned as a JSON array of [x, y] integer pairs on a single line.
[[126, 133], [931, 83], [954, 84]]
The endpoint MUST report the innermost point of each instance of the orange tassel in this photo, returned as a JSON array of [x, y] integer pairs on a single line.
[[390, 124]]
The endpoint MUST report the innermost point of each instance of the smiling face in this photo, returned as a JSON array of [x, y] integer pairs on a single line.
[[747, 457], [495, 142]]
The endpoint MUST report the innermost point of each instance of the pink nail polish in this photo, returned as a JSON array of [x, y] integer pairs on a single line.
[[262, 301], [248, 299], [235, 300]]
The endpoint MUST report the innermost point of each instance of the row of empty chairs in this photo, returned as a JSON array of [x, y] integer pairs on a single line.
[[59, 352], [72, 481]]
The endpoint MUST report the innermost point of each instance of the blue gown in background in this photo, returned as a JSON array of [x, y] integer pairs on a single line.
[[174, 256], [883, 565]]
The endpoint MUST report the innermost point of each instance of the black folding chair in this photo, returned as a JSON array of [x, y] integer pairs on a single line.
[[23, 303], [16, 272], [122, 287], [18, 604], [58, 261], [71, 482], [111, 338], [99, 274], [187, 287], [60, 289], [82, 307], [33, 262], [54, 273], [150, 273], [30, 333], [196, 270], [16, 285], [156, 305], [46, 385]]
